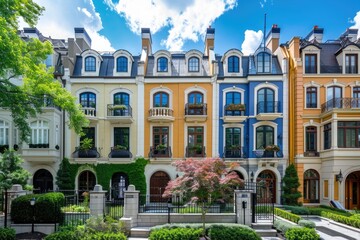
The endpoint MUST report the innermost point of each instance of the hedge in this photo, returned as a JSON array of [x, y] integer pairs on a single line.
[[301, 234], [342, 219], [175, 234], [306, 223], [297, 210], [221, 232], [287, 215], [7, 234], [283, 226], [47, 208], [72, 235]]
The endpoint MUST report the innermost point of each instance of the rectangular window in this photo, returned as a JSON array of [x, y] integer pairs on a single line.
[[310, 63], [122, 137], [195, 146], [348, 134], [89, 133], [327, 136], [311, 139], [326, 188], [311, 97], [351, 64], [161, 136]]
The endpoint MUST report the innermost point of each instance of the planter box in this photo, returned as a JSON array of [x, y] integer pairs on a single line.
[[120, 154], [88, 153]]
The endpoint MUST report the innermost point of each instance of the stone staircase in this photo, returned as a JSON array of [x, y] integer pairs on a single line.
[[264, 229], [140, 232]]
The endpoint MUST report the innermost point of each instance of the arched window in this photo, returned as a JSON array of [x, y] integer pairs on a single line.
[[193, 64], [43, 181], [121, 99], [264, 138], [162, 64], [39, 134], [121, 64], [119, 184], [233, 98], [311, 186], [233, 64], [195, 105], [263, 62], [333, 95], [195, 98], [90, 64], [161, 99], [87, 182], [267, 187], [266, 101], [88, 103]]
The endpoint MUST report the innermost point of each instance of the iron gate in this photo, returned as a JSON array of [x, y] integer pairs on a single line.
[[262, 205]]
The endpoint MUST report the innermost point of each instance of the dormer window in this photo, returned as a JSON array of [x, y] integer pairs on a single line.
[[263, 62], [122, 64], [90, 64], [351, 64], [310, 63], [162, 64], [233, 64], [193, 64]]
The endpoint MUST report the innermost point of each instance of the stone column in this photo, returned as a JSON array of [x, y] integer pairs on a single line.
[[131, 207], [97, 201], [15, 191], [243, 199]]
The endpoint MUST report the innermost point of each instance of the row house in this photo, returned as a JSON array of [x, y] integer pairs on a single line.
[[324, 90]]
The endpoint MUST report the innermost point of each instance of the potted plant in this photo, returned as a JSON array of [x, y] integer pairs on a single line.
[[118, 107], [119, 151], [160, 147], [86, 149], [196, 105], [119, 147], [259, 152], [272, 148], [235, 107]]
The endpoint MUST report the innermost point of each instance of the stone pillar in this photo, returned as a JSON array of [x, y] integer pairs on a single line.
[[131, 207], [97, 201], [243, 199], [15, 191]]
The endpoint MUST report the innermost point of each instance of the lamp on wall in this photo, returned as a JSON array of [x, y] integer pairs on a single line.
[[339, 177]]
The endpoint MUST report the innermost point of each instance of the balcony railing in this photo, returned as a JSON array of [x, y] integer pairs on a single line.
[[156, 152], [340, 103], [89, 111], [234, 110], [311, 154], [161, 112], [196, 109], [268, 107], [39, 145], [119, 110], [234, 151], [119, 153], [195, 151]]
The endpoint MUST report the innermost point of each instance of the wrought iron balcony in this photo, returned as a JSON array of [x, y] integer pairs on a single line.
[[119, 153], [234, 110], [162, 114], [340, 103], [195, 151], [268, 107], [311, 154], [119, 110], [266, 154], [160, 152], [233, 151], [196, 109]]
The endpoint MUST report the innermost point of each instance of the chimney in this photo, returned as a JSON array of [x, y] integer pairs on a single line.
[[146, 40], [351, 34], [209, 40], [31, 32], [316, 33], [82, 38], [272, 39]]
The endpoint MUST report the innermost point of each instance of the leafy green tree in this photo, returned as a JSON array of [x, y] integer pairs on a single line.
[[24, 60], [291, 183], [11, 171], [63, 177]]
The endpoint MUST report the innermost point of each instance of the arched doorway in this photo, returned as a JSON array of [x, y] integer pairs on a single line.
[[266, 191], [311, 186], [43, 181], [352, 191], [119, 184], [87, 181], [158, 183]]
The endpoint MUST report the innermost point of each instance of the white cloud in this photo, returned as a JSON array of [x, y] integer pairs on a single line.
[[187, 19], [251, 42], [61, 16], [356, 22]]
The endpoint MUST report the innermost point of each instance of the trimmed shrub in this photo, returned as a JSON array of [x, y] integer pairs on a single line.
[[287, 215], [318, 211], [334, 209], [306, 223], [342, 219], [7, 234], [220, 232], [47, 208], [297, 210], [63, 235], [175, 234], [283, 226], [301, 234], [104, 236]]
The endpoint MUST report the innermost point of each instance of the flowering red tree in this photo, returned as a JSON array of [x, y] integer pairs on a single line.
[[203, 181]]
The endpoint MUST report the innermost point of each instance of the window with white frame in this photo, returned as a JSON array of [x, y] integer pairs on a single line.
[[122, 64], [90, 64], [4, 133], [39, 134], [263, 62], [162, 64], [194, 64], [233, 64]]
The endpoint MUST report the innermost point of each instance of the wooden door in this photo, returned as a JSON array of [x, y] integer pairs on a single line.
[[158, 183]]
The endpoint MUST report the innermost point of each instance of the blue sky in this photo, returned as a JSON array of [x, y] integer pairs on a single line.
[[181, 24]]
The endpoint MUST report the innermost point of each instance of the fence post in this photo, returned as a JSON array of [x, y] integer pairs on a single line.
[[15, 191], [243, 205], [97, 201], [131, 207]]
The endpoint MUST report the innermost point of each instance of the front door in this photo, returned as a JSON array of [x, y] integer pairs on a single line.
[[352, 191], [158, 183]]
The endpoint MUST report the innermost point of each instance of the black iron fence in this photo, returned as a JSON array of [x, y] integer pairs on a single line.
[[114, 208]]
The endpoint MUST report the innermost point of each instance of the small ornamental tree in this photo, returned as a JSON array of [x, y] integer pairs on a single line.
[[63, 177], [291, 184], [204, 181], [11, 171]]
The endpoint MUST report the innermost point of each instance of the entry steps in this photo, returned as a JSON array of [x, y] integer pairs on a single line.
[[264, 229], [140, 232]]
